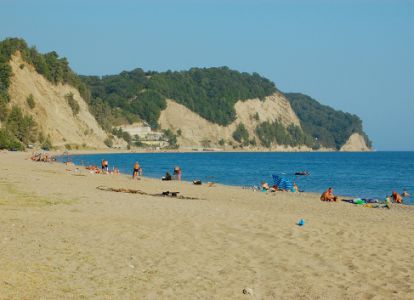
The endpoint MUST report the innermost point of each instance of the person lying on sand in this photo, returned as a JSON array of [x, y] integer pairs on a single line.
[[396, 198], [137, 170], [328, 195], [265, 187]]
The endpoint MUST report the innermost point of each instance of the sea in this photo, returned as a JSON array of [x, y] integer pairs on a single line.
[[362, 174]]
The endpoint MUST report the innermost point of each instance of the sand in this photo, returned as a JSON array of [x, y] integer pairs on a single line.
[[61, 238]]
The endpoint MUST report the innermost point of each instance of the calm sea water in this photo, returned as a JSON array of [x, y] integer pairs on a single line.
[[366, 175]]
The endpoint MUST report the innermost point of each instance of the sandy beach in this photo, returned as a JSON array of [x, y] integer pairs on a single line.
[[62, 238]]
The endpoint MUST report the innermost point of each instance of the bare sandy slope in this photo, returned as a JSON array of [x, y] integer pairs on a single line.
[[61, 238], [355, 142], [52, 112], [195, 129]]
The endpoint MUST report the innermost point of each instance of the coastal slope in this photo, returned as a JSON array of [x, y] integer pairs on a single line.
[[52, 112], [195, 131], [355, 143]]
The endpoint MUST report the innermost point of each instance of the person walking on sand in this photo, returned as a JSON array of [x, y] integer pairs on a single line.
[[137, 170], [328, 195]]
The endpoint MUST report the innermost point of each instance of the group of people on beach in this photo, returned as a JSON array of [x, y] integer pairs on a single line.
[[397, 198], [44, 157], [104, 168], [136, 172], [176, 174], [274, 188], [327, 196]]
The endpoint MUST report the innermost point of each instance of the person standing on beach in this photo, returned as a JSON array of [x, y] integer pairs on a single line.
[[105, 165], [177, 173], [137, 170]]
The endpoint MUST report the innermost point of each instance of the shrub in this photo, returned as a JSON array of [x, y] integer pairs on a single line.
[[275, 132], [109, 143], [9, 141], [74, 105], [30, 101], [24, 128], [127, 137]]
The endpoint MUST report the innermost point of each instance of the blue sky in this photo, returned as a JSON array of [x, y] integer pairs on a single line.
[[356, 56]]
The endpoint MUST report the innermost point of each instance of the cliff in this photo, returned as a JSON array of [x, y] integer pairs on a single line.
[[196, 131], [52, 113], [355, 143], [42, 100]]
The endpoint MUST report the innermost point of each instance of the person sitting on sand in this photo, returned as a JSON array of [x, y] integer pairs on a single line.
[[295, 187], [137, 170], [177, 173], [167, 176], [328, 195], [396, 198], [265, 187]]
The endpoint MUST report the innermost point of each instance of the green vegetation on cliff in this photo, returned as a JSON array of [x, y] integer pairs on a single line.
[[328, 127], [210, 92], [18, 130]]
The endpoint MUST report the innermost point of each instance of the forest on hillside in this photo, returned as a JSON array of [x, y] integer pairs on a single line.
[[209, 92], [323, 123]]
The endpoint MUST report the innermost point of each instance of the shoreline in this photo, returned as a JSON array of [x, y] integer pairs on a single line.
[[125, 151], [314, 192], [62, 237]]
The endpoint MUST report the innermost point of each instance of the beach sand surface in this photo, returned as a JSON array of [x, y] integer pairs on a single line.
[[62, 238]]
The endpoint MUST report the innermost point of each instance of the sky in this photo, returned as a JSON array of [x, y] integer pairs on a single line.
[[355, 56]]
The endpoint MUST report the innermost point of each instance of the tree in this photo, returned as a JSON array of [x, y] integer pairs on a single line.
[[241, 134], [171, 138]]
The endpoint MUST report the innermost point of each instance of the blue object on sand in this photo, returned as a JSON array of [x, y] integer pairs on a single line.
[[301, 222], [282, 183]]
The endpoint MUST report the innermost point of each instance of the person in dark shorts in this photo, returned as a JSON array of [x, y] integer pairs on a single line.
[[137, 170], [105, 165]]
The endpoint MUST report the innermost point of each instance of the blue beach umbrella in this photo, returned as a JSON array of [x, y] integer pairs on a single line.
[[282, 182]]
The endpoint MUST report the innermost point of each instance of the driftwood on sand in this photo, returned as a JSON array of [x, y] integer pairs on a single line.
[[132, 191]]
